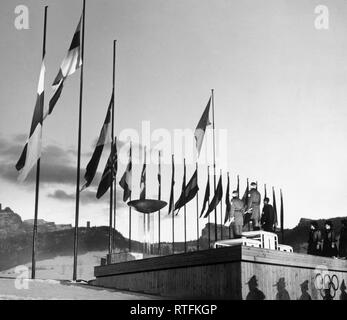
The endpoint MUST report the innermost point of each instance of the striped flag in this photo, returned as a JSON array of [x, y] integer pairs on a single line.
[[104, 138], [126, 179], [189, 191], [70, 64], [201, 128], [143, 180], [32, 149], [216, 198], [206, 197], [107, 178]]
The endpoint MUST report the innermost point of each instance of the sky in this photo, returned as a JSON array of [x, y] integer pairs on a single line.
[[280, 99]]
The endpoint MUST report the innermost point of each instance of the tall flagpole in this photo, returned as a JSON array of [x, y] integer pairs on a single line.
[[159, 198], [112, 155], [173, 211], [38, 165], [221, 213], [131, 160], [74, 277], [214, 163], [114, 207], [209, 219], [197, 210], [185, 208]]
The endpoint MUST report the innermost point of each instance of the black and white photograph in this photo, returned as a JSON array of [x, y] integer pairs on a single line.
[[177, 150]]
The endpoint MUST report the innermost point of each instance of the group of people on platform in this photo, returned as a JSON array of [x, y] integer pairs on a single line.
[[324, 242], [248, 214]]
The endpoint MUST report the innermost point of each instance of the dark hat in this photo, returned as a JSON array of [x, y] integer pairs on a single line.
[[253, 184], [343, 285], [253, 281], [267, 199], [328, 223], [304, 285], [315, 224], [235, 191]]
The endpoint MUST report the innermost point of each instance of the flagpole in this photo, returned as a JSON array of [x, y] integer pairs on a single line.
[[112, 143], [229, 204], [74, 277], [282, 217], [38, 166], [130, 206], [214, 162], [173, 212], [185, 209], [159, 198], [209, 219], [221, 213], [197, 210]]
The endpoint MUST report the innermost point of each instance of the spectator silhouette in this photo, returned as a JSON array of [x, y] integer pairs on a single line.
[[254, 292], [304, 291], [282, 293], [343, 295]]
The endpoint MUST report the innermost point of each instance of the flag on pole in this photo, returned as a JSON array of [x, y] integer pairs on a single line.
[[248, 215], [238, 184], [107, 178], [70, 64], [126, 179], [104, 138], [265, 193], [206, 197], [32, 150], [189, 191], [171, 202], [143, 180], [216, 198], [227, 202], [282, 213], [274, 206], [201, 128]]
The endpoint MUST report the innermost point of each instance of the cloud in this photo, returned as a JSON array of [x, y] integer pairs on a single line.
[[86, 197]]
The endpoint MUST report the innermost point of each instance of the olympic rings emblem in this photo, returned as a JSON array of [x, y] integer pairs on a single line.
[[327, 284]]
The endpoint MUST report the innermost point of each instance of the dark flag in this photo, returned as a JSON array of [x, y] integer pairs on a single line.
[[216, 198], [248, 215], [111, 166], [104, 138], [70, 64], [238, 184], [265, 193], [171, 202], [126, 179], [189, 191], [32, 150], [274, 206], [206, 197], [143, 180], [201, 127], [227, 202]]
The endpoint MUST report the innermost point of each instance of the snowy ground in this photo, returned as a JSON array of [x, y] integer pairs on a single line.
[[23, 289]]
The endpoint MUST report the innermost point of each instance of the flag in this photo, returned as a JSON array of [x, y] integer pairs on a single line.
[[248, 215], [227, 203], [159, 177], [143, 180], [32, 150], [274, 206], [201, 128], [70, 64], [206, 197], [216, 198], [238, 184], [107, 178], [104, 138], [126, 179], [188, 192], [265, 193], [171, 202]]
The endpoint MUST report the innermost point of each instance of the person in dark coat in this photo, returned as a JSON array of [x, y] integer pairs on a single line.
[[343, 240], [253, 204], [329, 241], [268, 216], [314, 240]]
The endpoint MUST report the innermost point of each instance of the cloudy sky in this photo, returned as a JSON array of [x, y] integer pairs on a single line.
[[280, 97]]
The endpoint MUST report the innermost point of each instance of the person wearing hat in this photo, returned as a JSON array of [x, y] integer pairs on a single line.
[[343, 240], [253, 204], [237, 210], [329, 240], [268, 216], [254, 293], [304, 291], [282, 293], [315, 240]]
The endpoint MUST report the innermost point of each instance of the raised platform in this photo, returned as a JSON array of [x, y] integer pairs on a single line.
[[230, 273]]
